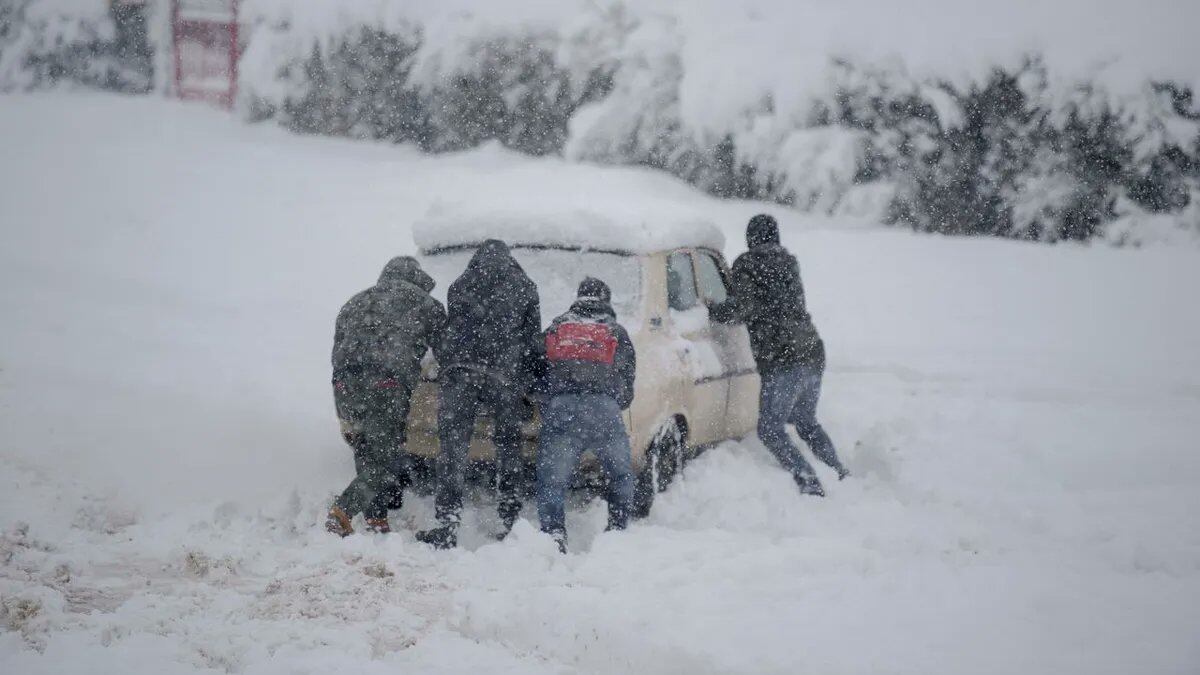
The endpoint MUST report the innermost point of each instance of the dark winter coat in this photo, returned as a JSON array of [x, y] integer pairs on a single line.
[[581, 376], [494, 319], [769, 297], [386, 329]]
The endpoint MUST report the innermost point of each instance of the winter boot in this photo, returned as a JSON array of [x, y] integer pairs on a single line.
[[843, 472], [810, 485], [378, 525], [395, 494], [617, 520], [508, 517], [338, 522], [444, 537], [506, 526]]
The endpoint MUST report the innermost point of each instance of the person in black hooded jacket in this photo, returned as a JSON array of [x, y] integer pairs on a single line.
[[769, 297], [588, 365], [494, 321], [380, 337]]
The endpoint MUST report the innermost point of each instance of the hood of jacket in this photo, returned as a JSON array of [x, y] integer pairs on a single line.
[[491, 254], [763, 230], [406, 269]]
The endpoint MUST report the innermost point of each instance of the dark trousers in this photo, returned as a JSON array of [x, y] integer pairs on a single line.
[[374, 414], [464, 395], [789, 396]]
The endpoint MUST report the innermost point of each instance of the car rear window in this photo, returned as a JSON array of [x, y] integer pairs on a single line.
[[557, 274]]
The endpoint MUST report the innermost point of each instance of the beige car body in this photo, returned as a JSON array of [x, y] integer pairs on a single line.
[[690, 370]]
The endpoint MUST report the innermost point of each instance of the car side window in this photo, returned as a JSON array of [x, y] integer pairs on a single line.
[[712, 282], [681, 282]]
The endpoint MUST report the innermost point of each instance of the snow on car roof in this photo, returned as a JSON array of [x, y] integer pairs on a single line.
[[629, 229]]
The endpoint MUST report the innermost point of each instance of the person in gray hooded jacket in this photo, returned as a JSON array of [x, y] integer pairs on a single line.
[[381, 336]]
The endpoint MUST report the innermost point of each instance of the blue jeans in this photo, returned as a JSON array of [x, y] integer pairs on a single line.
[[572, 424], [789, 396]]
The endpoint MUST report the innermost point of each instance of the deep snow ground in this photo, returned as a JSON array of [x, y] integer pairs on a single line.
[[1022, 421]]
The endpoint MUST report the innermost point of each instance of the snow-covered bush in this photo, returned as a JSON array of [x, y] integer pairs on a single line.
[[1019, 161], [354, 86], [865, 109], [325, 68], [45, 43], [445, 86], [638, 120]]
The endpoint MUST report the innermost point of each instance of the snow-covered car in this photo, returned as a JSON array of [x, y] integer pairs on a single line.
[[696, 381]]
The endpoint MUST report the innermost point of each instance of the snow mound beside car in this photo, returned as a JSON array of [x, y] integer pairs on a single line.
[[625, 230]]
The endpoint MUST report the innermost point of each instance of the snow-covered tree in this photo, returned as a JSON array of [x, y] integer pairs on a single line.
[[356, 86], [500, 86], [45, 44], [639, 120]]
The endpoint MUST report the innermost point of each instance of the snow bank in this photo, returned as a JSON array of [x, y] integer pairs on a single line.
[[628, 228]]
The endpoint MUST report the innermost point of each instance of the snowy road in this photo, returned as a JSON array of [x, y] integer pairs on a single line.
[[1021, 420]]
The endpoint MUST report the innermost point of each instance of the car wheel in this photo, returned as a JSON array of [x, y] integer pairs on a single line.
[[664, 460]]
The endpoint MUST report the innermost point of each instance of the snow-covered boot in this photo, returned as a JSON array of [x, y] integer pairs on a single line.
[[559, 538], [338, 522], [443, 537], [810, 484], [378, 525], [843, 472], [506, 526], [509, 510]]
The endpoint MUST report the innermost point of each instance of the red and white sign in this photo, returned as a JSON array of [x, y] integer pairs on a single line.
[[205, 37]]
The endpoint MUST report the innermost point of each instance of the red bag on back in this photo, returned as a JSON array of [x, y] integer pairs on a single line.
[[592, 342]]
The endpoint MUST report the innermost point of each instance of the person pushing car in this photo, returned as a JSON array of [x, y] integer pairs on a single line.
[[380, 338], [589, 365], [768, 296], [492, 328]]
